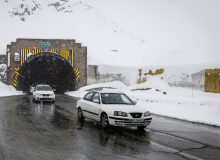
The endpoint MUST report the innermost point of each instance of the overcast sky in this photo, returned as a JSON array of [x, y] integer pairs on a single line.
[[141, 32]]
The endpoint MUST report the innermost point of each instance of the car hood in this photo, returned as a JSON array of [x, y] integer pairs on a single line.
[[44, 92], [124, 108]]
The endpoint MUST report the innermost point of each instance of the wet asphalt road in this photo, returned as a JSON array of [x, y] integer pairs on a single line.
[[31, 131]]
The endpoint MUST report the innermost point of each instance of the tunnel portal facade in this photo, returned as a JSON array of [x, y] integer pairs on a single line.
[[60, 63]]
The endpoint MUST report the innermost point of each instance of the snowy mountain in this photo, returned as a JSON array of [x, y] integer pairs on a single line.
[[25, 8], [74, 19], [122, 32]]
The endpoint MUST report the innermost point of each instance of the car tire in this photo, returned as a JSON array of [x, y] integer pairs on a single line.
[[36, 101], [33, 100], [104, 121], [80, 114], [141, 128]]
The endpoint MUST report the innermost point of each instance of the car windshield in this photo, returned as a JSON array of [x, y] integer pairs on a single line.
[[43, 88], [116, 98]]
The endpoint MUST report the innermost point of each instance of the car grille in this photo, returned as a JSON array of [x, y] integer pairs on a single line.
[[45, 94], [136, 115], [46, 99]]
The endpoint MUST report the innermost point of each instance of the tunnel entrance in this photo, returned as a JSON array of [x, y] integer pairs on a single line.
[[47, 68]]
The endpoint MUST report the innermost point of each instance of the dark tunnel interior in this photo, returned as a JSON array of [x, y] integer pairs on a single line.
[[47, 68]]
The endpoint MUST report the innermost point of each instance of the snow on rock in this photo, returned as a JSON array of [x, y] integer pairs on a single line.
[[6, 90], [180, 103]]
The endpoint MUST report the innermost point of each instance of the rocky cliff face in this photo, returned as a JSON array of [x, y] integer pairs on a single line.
[[25, 8]]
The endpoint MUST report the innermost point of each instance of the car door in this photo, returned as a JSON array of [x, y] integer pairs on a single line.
[[85, 104], [95, 108]]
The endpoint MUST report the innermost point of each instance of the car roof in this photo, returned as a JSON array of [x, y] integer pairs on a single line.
[[110, 91]]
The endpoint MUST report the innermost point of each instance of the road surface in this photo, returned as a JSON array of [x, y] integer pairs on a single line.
[[44, 131]]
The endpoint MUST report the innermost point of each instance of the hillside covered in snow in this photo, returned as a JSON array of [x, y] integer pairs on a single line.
[[122, 32], [7, 90]]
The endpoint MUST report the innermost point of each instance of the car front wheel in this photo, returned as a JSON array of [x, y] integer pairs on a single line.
[[80, 114], [104, 121]]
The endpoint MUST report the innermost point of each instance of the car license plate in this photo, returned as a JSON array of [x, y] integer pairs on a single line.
[[137, 120]]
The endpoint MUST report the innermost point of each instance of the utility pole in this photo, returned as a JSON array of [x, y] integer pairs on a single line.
[[140, 74]]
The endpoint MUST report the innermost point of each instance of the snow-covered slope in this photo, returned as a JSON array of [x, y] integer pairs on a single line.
[[122, 32], [83, 90], [73, 19], [6, 90]]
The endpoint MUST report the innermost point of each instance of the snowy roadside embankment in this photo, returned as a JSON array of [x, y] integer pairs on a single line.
[[206, 114], [174, 102], [83, 90], [6, 90]]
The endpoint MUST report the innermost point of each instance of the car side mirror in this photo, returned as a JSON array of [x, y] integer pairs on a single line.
[[135, 102], [96, 100]]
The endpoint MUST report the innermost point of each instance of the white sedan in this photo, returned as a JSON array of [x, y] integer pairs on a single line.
[[113, 108], [43, 93]]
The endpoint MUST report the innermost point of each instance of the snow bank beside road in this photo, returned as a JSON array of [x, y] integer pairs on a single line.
[[6, 90], [83, 90], [180, 103], [206, 114]]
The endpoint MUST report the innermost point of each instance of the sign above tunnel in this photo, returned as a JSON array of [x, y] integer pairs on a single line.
[[46, 44]]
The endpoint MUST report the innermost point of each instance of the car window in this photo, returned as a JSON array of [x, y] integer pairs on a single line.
[[88, 96], [44, 88], [96, 98], [125, 99], [116, 98]]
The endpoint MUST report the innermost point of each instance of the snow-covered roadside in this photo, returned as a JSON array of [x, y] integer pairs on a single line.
[[6, 90], [174, 102], [206, 114], [83, 90]]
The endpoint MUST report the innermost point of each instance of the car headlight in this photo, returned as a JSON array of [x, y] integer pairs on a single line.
[[38, 94], [119, 113], [146, 114]]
